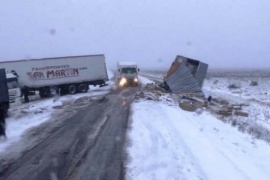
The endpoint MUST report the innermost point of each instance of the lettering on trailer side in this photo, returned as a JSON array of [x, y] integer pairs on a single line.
[[53, 72]]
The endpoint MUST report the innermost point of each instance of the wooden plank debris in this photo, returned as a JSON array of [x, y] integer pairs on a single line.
[[240, 113]]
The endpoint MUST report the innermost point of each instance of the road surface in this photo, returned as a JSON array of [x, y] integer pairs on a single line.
[[157, 77], [89, 145]]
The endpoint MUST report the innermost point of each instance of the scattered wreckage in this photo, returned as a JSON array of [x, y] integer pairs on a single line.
[[185, 76], [184, 79]]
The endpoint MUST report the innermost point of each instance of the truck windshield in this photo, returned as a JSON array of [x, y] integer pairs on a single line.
[[12, 84], [129, 70]]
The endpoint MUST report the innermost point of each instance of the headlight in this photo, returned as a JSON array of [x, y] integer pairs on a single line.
[[123, 81], [135, 80]]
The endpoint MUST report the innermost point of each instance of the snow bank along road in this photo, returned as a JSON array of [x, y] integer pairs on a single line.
[[87, 145]]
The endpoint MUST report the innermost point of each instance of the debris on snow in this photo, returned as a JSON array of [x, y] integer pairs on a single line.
[[240, 113], [151, 91], [191, 106]]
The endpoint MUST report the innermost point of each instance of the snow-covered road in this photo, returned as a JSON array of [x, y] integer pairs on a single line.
[[26, 116], [169, 143]]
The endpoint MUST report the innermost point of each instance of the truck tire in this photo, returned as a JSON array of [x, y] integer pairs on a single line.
[[44, 92], [72, 89], [83, 88], [41, 93], [63, 90]]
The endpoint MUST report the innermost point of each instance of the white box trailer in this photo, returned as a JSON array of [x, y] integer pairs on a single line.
[[67, 74]]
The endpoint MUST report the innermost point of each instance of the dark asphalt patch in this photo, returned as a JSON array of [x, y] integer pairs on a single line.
[[82, 147]]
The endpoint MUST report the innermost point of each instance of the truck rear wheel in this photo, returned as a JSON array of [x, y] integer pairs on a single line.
[[83, 88], [44, 92], [63, 90], [72, 89]]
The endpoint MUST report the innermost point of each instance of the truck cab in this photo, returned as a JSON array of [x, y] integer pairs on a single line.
[[14, 90], [10, 92], [4, 98], [127, 73]]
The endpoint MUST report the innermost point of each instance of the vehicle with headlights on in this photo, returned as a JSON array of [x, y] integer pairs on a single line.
[[127, 74]]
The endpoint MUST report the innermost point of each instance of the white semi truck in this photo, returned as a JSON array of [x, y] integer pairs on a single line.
[[14, 90], [62, 74], [127, 73], [10, 93]]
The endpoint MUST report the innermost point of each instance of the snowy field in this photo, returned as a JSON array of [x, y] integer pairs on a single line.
[[165, 142], [156, 76], [256, 97], [23, 118], [250, 85], [143, 81]]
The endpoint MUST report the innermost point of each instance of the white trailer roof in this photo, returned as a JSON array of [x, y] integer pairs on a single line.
[[127, 63], [49, 58], [10, 75]]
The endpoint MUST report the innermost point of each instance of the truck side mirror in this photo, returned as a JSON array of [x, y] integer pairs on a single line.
[[138, 70], [119, 70]]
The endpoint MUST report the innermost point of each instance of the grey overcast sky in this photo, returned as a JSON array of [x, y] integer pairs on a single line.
[[223, 33]]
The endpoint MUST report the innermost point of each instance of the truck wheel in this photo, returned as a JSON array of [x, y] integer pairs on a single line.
[[72, 89], [43, 93], [63, 90], [83, 88]]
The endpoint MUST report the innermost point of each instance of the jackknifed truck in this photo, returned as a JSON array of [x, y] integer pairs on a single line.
[[64, 75]]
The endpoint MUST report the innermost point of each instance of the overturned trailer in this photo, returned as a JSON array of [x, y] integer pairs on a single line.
[[185, 76]]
